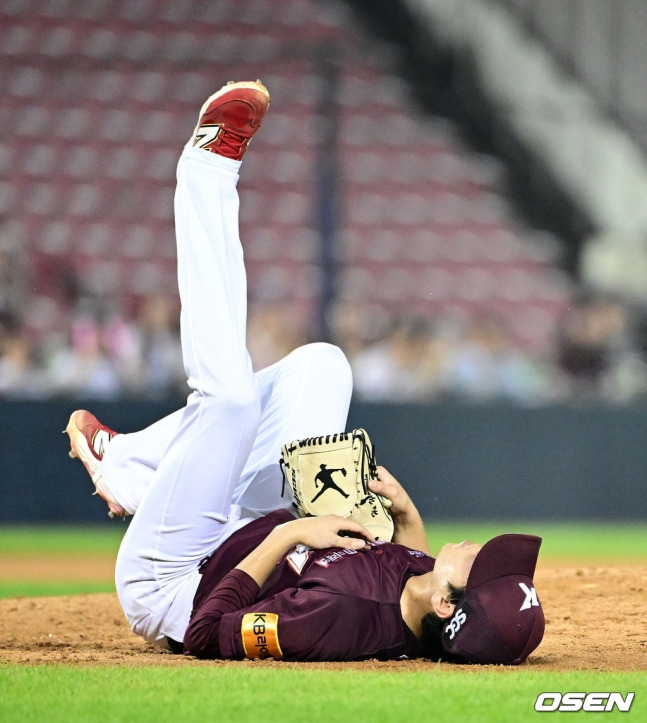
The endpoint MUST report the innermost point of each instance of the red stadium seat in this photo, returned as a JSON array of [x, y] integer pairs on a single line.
[[89, 166]]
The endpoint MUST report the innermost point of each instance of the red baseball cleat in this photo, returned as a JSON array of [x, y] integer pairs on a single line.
[[88, 441], [230, 117]]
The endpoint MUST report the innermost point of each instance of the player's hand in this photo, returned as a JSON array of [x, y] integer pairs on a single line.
[[388, 486], [409, 527], [320, 533]]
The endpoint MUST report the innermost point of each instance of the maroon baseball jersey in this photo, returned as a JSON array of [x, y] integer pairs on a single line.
[[332, 604]]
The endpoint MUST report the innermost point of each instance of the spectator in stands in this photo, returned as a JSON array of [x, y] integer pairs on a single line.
[[161, 370], [83, 369], [598, 352], [356, 325], [485, 365], [274, 329], [19, 376], [408, 365]]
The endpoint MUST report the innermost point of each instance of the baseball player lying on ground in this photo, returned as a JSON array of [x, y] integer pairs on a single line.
[[213, 563]]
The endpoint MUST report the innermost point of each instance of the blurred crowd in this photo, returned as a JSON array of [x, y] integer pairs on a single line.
[[103, 354], [596, 355], [99, 357]]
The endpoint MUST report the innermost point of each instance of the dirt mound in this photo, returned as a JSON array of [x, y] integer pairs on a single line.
[[595, 621]]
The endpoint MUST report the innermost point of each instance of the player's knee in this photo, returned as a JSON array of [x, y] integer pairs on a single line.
[[335, 362], [327, 359]]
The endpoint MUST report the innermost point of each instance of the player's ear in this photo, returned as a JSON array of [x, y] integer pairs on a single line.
[[441, 606]]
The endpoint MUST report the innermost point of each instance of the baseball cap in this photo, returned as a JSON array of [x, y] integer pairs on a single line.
[[499, 619]]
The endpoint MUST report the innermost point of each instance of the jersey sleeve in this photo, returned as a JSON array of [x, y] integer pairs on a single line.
[[302, 624], [236, 591], [294, 624]]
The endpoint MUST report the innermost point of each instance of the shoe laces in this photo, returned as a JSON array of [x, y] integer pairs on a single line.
[[233, 141]]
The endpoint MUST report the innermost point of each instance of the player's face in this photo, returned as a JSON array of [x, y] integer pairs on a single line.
[[455, 560]]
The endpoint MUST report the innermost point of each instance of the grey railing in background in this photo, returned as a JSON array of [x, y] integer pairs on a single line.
[[602, 43]]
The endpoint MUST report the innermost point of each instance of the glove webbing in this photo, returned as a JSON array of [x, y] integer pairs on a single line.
[[316, 441], [368, 458]]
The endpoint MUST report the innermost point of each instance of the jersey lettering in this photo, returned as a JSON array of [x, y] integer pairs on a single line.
[[455, 623], [531, 597], [260, 633], [334, 556]]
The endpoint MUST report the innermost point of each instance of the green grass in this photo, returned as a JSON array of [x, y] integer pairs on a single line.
[[571, 539], [32, 539], [75, 542], [253, 693], [594, 540], [37, 588]]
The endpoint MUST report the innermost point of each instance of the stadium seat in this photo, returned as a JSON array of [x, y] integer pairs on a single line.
[[89, 167]]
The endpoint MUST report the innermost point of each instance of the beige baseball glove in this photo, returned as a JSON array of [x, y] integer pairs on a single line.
[[329, 476]]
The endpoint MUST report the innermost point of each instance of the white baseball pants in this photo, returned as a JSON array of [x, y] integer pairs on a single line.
[[196, 476]]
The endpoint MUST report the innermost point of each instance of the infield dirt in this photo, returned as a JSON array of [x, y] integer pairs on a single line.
[[595, 620]]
